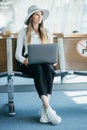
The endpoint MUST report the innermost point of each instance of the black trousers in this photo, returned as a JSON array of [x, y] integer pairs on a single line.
[[43, 75]]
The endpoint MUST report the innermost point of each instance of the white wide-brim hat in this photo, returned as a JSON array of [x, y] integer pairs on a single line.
[[32, 9]]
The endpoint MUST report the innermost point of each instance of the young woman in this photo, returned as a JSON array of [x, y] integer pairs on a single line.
[[43, 74]]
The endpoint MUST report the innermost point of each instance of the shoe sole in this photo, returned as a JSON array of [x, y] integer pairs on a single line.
[[44, 122]]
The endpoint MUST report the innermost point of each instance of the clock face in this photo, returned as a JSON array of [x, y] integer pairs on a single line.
[[82, 48]]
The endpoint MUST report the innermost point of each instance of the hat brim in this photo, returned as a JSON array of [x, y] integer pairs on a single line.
[[45, 15]]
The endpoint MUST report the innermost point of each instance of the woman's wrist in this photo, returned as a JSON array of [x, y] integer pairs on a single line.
[[26, 61]]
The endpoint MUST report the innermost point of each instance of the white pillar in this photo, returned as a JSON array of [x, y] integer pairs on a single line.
[[61, 54], [9, 55]]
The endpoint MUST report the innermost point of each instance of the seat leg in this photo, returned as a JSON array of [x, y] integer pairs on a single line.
[[11, 95], [63, 80]]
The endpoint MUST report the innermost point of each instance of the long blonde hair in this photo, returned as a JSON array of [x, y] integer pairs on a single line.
[[41, 32]]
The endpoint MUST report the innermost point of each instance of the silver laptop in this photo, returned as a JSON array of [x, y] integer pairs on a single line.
[[42, 53]]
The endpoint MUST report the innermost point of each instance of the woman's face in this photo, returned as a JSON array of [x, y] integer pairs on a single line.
[[37, 17]]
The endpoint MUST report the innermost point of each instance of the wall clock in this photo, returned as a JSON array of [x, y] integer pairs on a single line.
[[82, 48]]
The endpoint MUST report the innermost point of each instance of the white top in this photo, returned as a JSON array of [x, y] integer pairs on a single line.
[[21, 42]]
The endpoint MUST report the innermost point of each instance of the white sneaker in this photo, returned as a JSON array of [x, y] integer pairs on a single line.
[[44, 118], [52, 116]]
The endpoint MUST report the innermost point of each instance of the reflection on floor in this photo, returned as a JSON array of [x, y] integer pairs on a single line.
[[79, 97], [72, 79]]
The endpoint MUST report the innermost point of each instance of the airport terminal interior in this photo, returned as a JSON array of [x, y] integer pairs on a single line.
[[20, 104]]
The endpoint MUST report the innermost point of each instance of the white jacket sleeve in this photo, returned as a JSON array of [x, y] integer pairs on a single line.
[[19, 47]]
